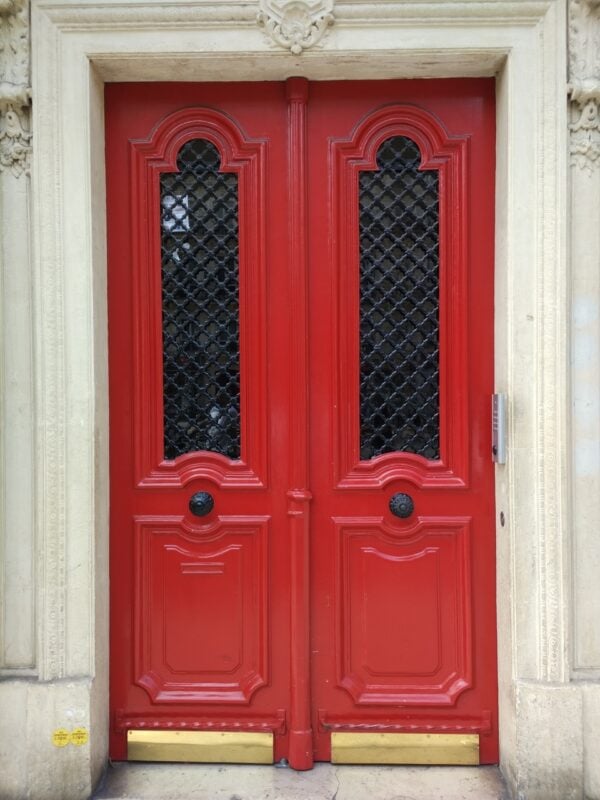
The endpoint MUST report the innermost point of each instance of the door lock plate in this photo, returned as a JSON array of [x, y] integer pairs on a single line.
[[499, 428]]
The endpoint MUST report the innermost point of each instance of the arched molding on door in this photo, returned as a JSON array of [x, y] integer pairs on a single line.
[[247, 159], [447, 154]]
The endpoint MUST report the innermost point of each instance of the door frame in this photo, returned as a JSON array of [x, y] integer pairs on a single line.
[[77, 46]]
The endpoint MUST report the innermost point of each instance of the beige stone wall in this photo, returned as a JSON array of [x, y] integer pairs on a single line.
[[54, 533]]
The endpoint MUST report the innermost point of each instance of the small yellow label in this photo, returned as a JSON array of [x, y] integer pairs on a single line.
[[79, 736], [61, 737]]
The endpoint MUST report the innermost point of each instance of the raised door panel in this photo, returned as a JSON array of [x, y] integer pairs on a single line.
[[404, 611], [205, 591]]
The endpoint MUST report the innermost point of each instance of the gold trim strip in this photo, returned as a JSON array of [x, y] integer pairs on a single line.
[[404, 748], [208, 747]]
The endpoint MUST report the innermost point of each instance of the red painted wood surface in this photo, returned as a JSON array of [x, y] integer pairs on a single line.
[[300, 749], [261, 616]]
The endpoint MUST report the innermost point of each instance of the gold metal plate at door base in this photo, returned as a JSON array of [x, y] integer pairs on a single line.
[[404, 748], [208, 747]]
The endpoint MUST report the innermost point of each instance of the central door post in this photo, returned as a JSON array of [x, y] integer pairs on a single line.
[[300, 754]]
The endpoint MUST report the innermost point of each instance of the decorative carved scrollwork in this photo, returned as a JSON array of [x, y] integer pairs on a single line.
[[296, 24], [15, 93], [584, 82]]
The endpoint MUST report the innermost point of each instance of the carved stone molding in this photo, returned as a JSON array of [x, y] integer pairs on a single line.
[[15, 92], [296, 24], [584, 82]]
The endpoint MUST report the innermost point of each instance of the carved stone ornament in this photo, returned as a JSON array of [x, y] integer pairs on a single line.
[[15, 93], [296, 24], [584, 82]]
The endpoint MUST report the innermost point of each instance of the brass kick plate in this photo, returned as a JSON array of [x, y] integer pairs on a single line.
[[404, 748], [208, 747]]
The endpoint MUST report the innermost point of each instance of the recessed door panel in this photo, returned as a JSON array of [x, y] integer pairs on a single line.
[[301, 364]]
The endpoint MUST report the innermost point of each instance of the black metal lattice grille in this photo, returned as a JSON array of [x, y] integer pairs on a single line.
[[399, 304], [200, 305]]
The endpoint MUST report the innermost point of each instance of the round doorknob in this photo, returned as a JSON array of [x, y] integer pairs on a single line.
[[401, 505], [201, 504]]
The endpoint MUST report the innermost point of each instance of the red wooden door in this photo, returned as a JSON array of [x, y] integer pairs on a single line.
[[300, 330], [403, 609]]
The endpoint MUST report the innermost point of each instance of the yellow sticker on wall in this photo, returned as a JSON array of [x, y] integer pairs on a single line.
[[79, 736], [61, 737]]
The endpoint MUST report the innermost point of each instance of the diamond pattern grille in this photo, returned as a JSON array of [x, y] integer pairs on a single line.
[[199, 247], [399, 304]]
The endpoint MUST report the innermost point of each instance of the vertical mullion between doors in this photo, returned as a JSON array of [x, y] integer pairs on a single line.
[[300, 754]]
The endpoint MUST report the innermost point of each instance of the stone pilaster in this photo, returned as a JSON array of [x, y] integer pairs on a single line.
[[15, 92], [584, 146]]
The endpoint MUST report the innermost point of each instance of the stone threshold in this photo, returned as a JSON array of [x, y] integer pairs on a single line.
[[325, 782]]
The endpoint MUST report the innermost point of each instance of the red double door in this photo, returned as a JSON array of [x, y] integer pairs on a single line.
[[301, 364]]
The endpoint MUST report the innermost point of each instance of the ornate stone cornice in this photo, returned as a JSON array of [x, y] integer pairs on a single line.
[[15, 92], [584, 82], [296, 24]]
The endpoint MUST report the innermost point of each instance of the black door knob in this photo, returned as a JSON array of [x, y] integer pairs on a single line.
[[401, 505], [201, 504]]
